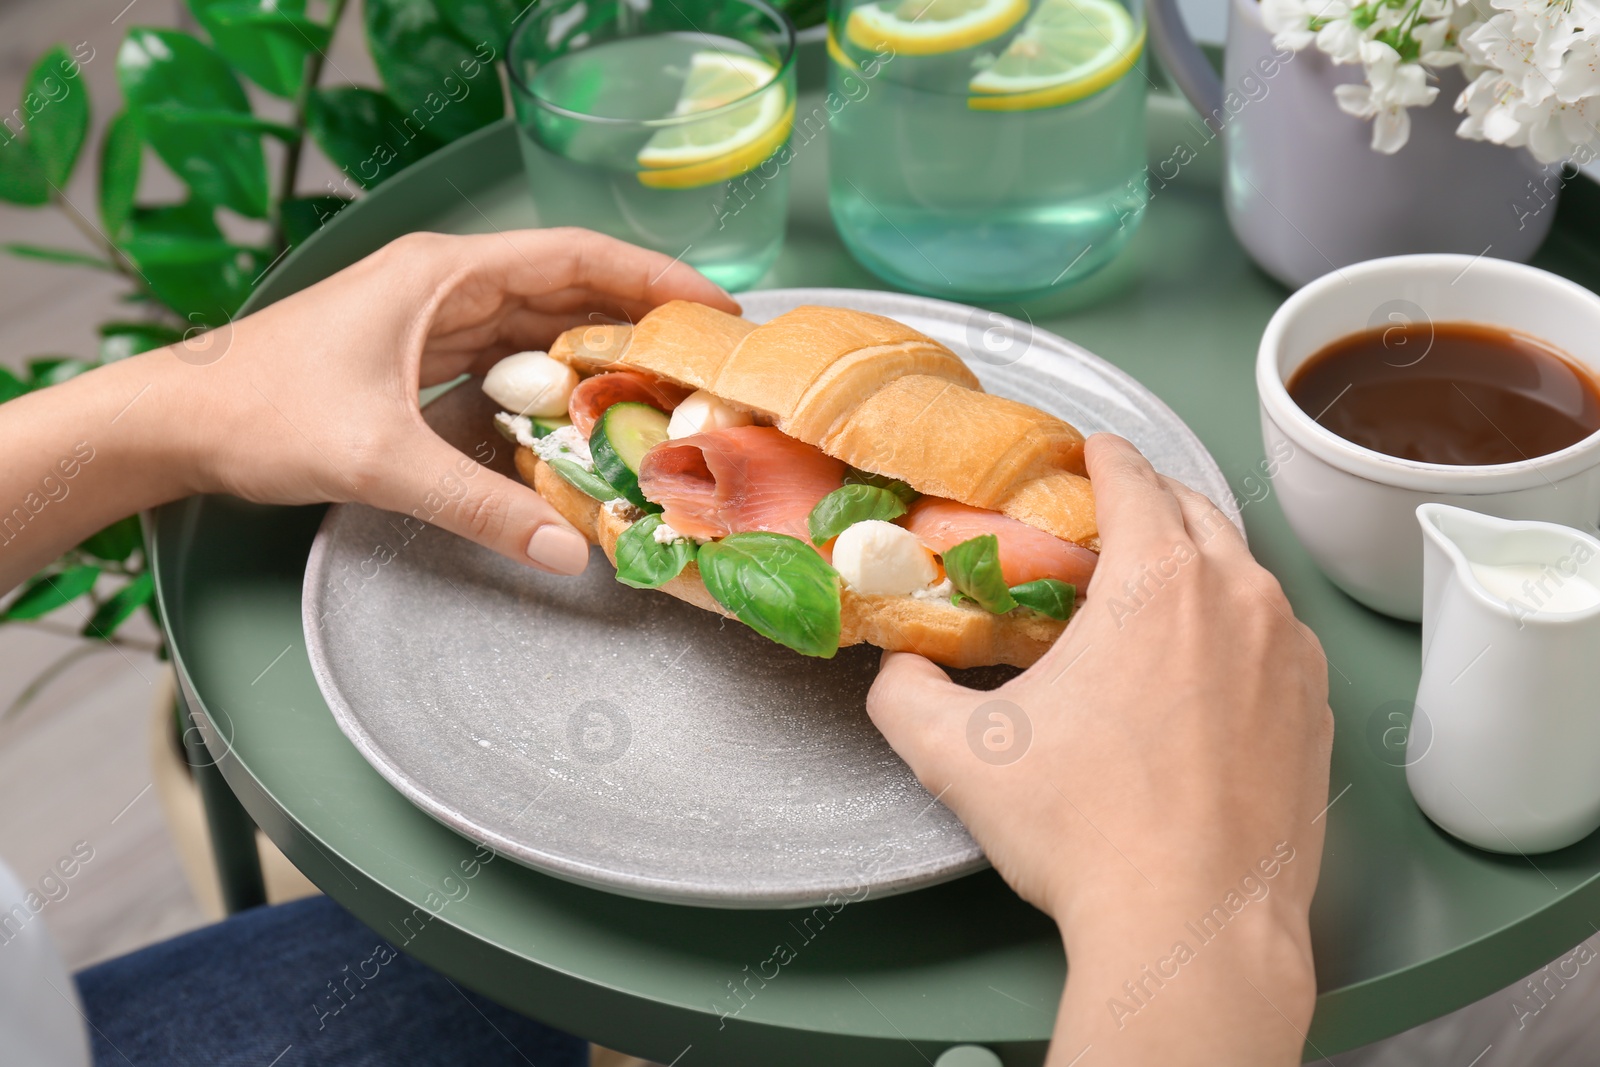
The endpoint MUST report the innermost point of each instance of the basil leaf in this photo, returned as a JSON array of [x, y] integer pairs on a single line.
[[974, 569], [851, 504], [778, 586], [882, 481], [587, 481], [645, 563], [1047, 596]]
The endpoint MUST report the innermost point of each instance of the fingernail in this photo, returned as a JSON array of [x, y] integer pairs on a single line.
[[559, 549]]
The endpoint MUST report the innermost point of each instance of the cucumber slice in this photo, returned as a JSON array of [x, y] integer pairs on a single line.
[[544, 427], [619, 441]]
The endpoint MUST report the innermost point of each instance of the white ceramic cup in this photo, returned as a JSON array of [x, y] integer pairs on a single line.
[[1355, 509]]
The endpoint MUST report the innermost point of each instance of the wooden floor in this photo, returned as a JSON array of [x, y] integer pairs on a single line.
[[75, 767]]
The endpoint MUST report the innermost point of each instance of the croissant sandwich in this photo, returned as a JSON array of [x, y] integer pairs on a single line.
[[827, 478]]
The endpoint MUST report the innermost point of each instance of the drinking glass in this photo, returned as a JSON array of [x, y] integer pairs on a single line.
[[986, 149], [661, 122]]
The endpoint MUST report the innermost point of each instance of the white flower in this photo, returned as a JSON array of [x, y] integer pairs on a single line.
[[1289, 21], [1532, 66], [1538, 82], [1392, 87], [1341, 40], [1579, 76], [1510, 47]]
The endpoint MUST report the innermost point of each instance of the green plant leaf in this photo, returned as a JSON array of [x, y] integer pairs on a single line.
[[304, 216], [778, 586], [119, 340], [121, 152], [11, 386], [121, 604], [21, 174], [485, 21], [365, 134], [174, 86], [893, 485], [190, 266], [974, 569], [192, 218], [48, 592], [116, 542], [644, 563], [58, 127], [203, 122], [848, 505], [204, 282], [1047, 596], [442, 84], [266, 40], [57, 255], [53, 370]]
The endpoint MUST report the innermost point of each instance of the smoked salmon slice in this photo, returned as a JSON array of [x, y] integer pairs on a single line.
[[1026, 554], [742, 478], [593, 395]]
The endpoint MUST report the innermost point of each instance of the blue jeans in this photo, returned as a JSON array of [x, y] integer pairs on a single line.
[[300, 985]]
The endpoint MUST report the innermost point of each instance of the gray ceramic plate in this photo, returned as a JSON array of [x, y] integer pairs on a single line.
[[622, 739]]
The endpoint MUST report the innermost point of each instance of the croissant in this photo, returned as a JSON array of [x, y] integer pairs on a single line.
[[791, 411]]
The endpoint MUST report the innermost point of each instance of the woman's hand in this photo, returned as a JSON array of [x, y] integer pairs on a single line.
[[327, 379], [315, 397], [1155, 783]]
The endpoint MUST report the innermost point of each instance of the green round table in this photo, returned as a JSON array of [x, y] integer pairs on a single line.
[[1408, 923]]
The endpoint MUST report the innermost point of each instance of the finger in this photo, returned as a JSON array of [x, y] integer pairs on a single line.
[[909, 702], [1208, 525], [432, 481], [608, 265], [1131, 505], [541, 262]]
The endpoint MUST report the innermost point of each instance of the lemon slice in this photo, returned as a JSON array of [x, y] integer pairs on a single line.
[[727, 143], [931, 27], [1068, 50], [837, 54]]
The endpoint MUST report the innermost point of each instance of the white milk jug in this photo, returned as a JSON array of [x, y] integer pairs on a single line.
[[1508, 709]]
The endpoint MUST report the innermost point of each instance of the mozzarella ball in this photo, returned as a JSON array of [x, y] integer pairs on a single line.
[[531, 383], [700, 411], [878, 557]]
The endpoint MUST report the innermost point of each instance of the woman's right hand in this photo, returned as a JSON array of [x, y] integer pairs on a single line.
[[1155, 783]]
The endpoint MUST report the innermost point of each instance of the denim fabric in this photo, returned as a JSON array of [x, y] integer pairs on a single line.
[[300, 985]]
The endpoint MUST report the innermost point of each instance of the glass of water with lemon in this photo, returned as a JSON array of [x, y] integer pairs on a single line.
[[661, 122], [986, 149]]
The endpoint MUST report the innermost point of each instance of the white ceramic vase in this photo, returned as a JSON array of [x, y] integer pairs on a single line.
[[1305, 192]]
